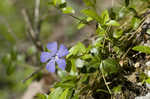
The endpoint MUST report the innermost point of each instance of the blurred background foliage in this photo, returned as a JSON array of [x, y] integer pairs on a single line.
[[19, 56]]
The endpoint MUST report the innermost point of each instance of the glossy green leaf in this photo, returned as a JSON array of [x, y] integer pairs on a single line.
[[117, 89], [78, 49], [64, 94], [109, 66], [135, 22], [41, 96], [113, 23], [147, 80], [90, 3], [117, 33], [55, 94], [104, 17], [91, 13], [148, 31], [68, 10], [143, 49]]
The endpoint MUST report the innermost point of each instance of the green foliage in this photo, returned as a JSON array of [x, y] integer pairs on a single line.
[[143, 49], [109, 66], [90, 63]]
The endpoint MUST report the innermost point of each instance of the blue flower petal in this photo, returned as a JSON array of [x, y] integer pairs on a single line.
[[51, 66], [61, 63], [63, 51], [45, 56], [52, 47]]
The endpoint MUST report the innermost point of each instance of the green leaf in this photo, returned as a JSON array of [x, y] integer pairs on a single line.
[[81, 25], [117, 89], [91, 13], [147, 80], [41, 96], [78, 49], [69, 84], [68, 10], [64, 94], [11, 68], [73, 67], [117, 33], [89, 3], [55, 94], [57, 2], [109, 66], [148, 31], [113, 23], [143, 49], [104, 17], [100, 31], [135, 22]]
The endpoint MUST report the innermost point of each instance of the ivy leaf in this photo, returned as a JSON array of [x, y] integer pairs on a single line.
[[109, 66], [113, 23], [143, 49], [78, 49], [100, 31], [68, 10], [91, 13], [148, 31], [148, 80], [104, 17], [90, 3], [55, 94], [64, 94], [135, 22], [41, 96], [117, 33]]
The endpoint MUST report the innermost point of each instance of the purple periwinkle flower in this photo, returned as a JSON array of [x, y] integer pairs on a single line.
[[54, 56]]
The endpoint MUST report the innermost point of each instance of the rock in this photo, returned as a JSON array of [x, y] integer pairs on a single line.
[[143, 97], [147, 63]]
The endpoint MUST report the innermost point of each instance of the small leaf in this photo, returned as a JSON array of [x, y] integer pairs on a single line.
[[41, 96], [89, 3], [64, 94], [67, 10], [148, 31], [113, 23], [91, 13], [143, 49], [135, 22], [104, 17], [78, 49], [117, 33], [100, 31], [117, 89], [109, 66], [148, 80], [55, 94]]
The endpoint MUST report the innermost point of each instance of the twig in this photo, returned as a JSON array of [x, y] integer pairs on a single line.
[[31, 31], [105, 81], [36, 18], [33, 34], [139, 28], [28, 24]]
